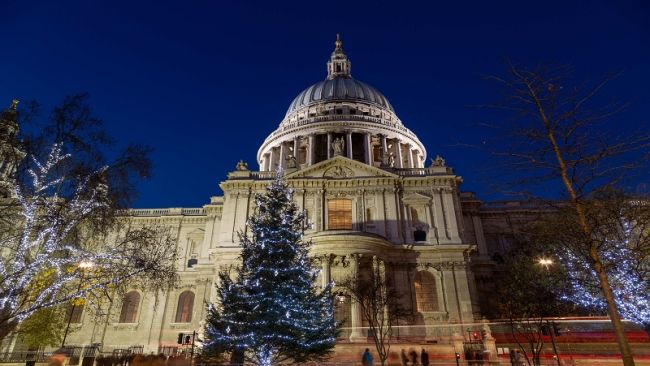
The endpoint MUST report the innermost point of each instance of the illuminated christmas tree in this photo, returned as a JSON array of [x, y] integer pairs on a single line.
[[271, 310]]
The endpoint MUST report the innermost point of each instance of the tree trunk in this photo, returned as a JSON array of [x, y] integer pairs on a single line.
[[603, 279], [6, 327]]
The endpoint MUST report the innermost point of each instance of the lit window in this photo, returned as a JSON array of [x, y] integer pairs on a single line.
[[74, 313], [426, 293], [339, 214], [130, 305], [185, 307]]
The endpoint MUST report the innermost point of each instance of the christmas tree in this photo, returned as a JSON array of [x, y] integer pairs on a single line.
[[272, 310]]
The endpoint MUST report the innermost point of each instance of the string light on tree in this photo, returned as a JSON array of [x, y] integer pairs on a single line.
[[272, 311]]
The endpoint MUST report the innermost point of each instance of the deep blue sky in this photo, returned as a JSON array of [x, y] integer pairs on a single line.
[[204, 82]]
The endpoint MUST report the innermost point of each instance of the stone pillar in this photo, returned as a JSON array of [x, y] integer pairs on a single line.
[[384, 145], [349, 142], [355, 312], [310, 150], [450, 213], [439, 217], [367, 148], [272, 156], [398, 158], [410, 157], [295, 150], [325, 262], [282, 161], [329, 145], [480, 236]]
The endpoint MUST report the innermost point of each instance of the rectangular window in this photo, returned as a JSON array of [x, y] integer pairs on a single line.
[[339, 214]]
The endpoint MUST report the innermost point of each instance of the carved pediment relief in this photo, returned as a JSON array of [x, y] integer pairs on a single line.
[[338, 172], [340, 167], [415, 198]]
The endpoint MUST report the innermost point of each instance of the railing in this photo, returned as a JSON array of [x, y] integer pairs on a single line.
[[263, 175], [165, 212], [404, 172], [342, 117], [24, 356]]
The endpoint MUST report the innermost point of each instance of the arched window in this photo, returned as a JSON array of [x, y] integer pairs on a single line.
[[426, 292], [339, 214], [74, 313], [185, 307], [130, 307]]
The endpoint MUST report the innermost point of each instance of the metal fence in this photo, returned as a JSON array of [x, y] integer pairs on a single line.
[[24, 356]]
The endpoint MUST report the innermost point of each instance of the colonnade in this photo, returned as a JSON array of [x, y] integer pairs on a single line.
[[376, 150]]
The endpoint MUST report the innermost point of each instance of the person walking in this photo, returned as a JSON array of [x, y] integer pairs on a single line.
[[414, 357], [405, 360], [366, 359], [424, 358]]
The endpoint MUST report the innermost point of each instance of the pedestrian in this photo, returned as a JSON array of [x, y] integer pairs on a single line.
[[414, 357], [424, 358], [366, 359], [405, 360], [519, 360]]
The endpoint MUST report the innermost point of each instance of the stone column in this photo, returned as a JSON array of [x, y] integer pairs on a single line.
[[349, 142], [329, 145], [410, 157], [398, 158], [439, 217], [295, 150], [272, 156], [325, 262], [450, 213], [310, 150], [355, 311], [282, 161], [480, 236], [367, 148], [384, 144]]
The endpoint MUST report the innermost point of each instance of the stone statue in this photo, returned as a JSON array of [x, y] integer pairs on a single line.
[[291, 162], [338, 145], [391, 160], [242, 166], [387, 159], [438, 161]]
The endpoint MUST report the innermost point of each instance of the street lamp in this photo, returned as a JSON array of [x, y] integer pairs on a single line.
[[83, 265], [545, 262]]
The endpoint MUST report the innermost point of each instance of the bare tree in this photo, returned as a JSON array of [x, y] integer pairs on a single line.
[[558, 139], [380, 305]]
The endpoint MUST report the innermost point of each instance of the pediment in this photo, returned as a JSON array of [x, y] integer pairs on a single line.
[[340, 167], [415, 197]]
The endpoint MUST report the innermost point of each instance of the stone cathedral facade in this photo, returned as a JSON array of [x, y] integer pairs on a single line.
[[371, 199]]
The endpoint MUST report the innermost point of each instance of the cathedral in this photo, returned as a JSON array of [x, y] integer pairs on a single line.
[[371, 197]]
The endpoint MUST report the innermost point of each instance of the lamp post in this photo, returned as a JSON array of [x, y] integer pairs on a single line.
[[82, 266], [545, 262]]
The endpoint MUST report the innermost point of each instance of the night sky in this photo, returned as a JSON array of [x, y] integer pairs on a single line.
[[204, 82]]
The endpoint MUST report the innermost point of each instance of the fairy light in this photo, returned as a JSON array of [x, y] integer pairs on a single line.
[[628, 286], [273, 304]]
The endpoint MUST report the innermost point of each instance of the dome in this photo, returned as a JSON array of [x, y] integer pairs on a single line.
[[341, 116], [339, 89]]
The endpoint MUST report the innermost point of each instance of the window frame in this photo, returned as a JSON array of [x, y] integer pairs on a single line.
[[334, 214]]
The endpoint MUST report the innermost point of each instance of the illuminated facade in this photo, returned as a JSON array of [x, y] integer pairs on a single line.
[[371, 199]]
